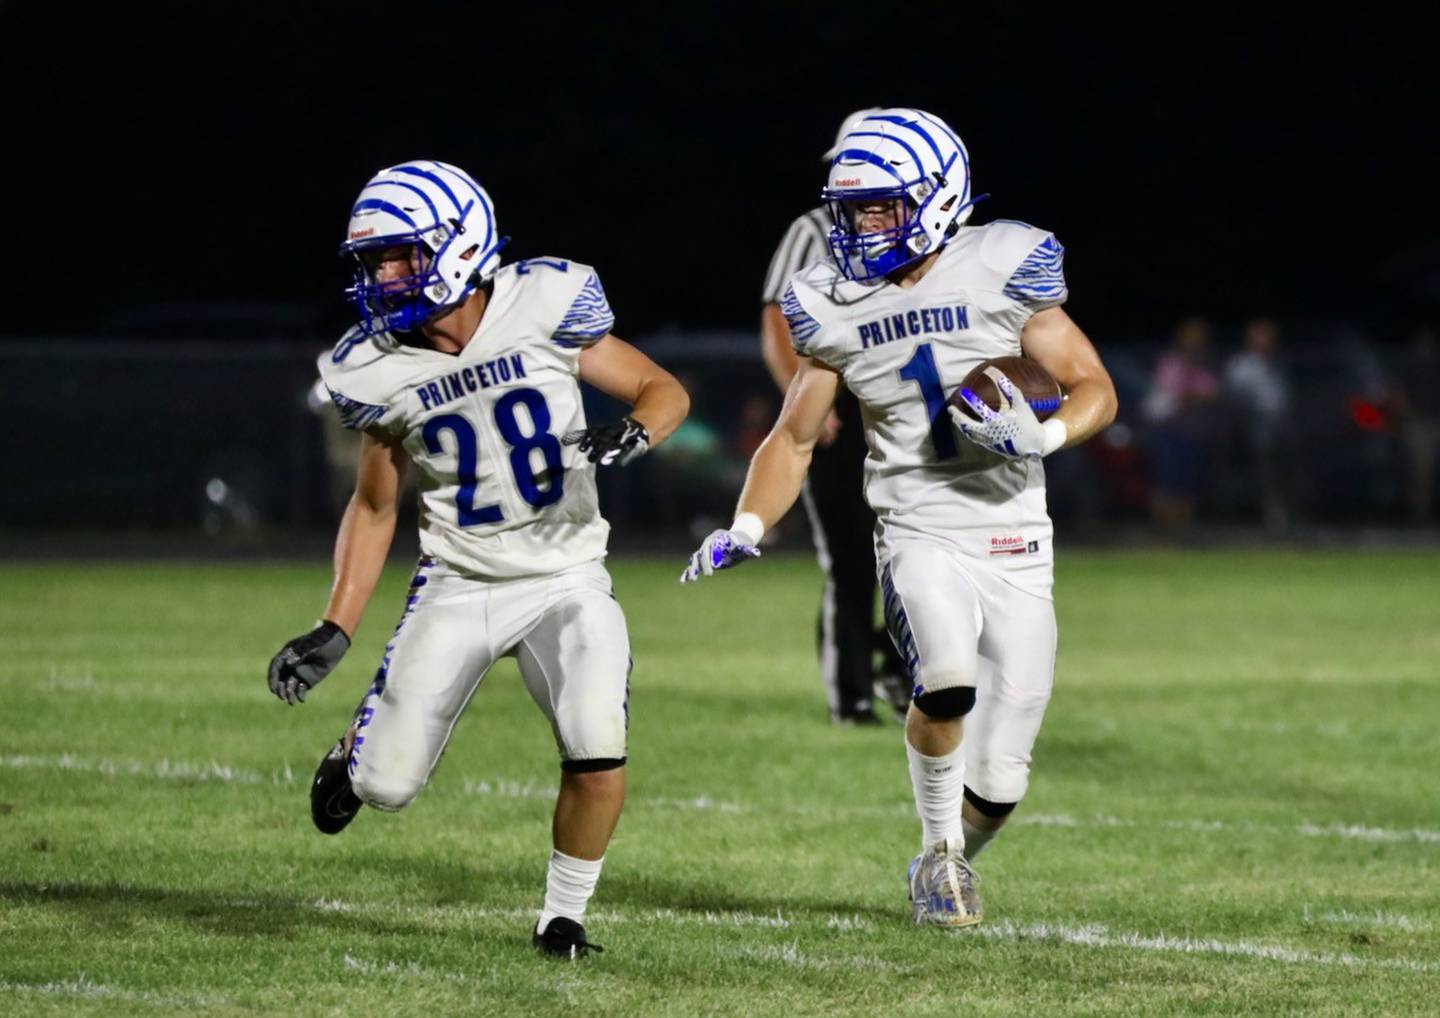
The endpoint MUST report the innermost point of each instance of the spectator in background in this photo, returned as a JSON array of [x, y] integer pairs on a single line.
[[1181, 409], [1259, 395], [1419, 405]]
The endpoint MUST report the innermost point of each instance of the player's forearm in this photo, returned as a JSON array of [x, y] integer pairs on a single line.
[[776, 474], [661, 406], [361, 547], [1089, 408]]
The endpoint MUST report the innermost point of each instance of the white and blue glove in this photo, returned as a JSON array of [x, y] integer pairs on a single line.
[[725, 548], [1014, 431]]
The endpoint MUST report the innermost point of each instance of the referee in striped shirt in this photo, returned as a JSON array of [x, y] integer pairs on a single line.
[[842, 524]]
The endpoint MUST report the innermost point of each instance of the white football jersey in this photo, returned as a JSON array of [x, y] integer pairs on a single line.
[[903, 352], [499, 495]]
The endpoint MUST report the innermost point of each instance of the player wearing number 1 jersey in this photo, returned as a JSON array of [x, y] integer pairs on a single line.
[[911, 302], [469, 373]]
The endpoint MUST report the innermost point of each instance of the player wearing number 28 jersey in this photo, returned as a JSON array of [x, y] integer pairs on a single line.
[[469, 373], [910, 302], [483, 426]]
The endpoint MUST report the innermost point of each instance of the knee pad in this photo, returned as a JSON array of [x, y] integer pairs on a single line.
[[591, 766], [955, 702], [993, 810]]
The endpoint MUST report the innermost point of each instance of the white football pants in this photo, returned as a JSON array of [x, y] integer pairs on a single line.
[[958, 623], [568, 634]]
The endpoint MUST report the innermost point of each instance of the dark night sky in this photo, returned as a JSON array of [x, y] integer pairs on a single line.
[[1200, 161]]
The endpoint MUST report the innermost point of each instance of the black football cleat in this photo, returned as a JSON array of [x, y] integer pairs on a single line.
[[333, 803], [564, 938]]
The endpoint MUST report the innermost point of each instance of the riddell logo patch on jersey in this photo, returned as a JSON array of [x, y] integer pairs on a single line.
[[1012, 544]]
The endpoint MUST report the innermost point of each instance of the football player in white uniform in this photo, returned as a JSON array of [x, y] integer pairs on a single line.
[[470, 372], [911, 302]]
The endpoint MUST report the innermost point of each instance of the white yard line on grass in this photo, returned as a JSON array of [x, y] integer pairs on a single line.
[[506, 788], [790, 954], [1093, 936], [1100, 936], [83, 986], [165, 768], [1350, 832], [409, 970], [1377, 919], [544, 790]]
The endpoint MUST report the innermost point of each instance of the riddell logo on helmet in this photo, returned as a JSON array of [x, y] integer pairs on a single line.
[[357, 234], [846, 182]]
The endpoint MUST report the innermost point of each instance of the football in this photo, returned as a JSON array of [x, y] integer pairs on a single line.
[[1040, 389]]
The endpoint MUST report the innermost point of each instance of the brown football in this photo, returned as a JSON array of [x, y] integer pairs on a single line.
[[1041, 390]]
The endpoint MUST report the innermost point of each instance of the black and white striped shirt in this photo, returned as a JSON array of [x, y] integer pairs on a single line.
[[806, 242]]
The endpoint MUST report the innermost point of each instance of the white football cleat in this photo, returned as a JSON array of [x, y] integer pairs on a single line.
[[942, 888]]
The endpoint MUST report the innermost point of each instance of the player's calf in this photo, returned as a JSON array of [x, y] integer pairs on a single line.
[[981, 819]]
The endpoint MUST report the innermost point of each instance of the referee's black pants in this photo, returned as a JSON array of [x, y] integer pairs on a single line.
[[844, 530]]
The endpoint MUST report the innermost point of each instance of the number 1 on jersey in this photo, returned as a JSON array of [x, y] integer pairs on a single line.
[[921, 370]]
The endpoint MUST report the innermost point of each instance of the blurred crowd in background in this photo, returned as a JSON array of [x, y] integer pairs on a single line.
[[1280, 427], [1262, 424]]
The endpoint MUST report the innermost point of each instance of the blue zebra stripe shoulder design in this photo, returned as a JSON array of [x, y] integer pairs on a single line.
[[354, 414], [1040, 278], [589, 317], [802, 326]]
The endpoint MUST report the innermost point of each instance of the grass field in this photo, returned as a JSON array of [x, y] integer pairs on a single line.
[[1235, 809]]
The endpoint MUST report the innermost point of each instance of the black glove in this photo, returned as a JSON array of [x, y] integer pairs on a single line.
[[624, 441], [305, 660]]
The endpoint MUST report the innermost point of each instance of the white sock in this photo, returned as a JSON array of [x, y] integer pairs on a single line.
[[569, 883], [975, 838], [939, 784]]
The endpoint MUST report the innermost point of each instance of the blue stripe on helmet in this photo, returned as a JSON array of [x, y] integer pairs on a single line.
[[905, 122], [860, 155], [384, 206], [460, 209], [945, 164], [416, 171], [411, 187], [468, 181], [959, 146], [890, 137], [942, 126], [484, 204]]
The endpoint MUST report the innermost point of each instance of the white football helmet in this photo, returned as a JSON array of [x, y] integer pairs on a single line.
[[441, 210], [846, 126], [897, 153]]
